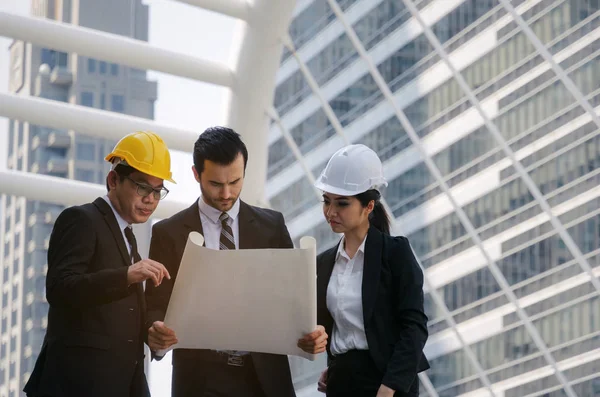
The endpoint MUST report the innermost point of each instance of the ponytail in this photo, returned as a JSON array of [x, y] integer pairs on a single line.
[[378, 218]]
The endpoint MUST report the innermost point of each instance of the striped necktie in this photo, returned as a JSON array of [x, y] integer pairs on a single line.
[[226, 241]]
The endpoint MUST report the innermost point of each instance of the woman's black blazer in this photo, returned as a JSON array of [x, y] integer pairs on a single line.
[[392, 295]]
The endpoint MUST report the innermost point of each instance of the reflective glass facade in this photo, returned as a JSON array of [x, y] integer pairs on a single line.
[[546, 129]]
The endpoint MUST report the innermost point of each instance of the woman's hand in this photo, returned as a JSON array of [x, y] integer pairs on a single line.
[[385, 391], [315, 342], [322, 384]]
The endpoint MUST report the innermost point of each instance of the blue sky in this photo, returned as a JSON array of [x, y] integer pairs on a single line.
[[182, 103]]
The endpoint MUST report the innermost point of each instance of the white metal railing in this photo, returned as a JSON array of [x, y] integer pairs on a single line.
[[112, 47], [239, 9], [89, 121], [67, 192]]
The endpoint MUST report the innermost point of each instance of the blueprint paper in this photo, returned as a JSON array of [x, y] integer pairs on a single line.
[[258, 300]]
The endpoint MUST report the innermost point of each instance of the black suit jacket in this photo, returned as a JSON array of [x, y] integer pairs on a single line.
[[392, 296], [94, 341], [258, 228]]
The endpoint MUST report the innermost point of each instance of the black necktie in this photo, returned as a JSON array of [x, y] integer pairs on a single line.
[[137, 287], [133, 244]]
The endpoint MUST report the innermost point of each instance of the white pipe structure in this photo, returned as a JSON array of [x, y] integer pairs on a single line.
[[89, 121], [112, 47], [62, 191], [232, 8], [257, 64]]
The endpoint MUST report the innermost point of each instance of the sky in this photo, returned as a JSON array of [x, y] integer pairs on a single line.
[[181, 102]]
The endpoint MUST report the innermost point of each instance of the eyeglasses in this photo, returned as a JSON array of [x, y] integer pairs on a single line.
[[144, 190]]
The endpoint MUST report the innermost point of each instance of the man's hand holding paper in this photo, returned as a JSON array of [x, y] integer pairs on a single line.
[[161, 337]]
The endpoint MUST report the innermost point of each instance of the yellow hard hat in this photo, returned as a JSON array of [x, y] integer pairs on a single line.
[[146, 152]]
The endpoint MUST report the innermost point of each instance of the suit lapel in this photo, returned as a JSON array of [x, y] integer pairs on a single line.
[[371, 272], [192, 220], [324, 270], [113, 225], [247, 233]]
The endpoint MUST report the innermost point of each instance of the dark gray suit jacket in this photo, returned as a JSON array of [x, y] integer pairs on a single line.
[[258, 228]]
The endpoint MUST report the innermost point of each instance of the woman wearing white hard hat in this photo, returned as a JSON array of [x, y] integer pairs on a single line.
[[369, 287]]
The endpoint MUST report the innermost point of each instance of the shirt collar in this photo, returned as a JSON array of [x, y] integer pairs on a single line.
[[342, 252], [213, 214], [122, 222]]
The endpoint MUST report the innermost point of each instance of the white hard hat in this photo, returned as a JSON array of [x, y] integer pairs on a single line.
[[352, 170]]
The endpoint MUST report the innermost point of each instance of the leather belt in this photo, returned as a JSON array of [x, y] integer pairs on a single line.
[[222, 357]]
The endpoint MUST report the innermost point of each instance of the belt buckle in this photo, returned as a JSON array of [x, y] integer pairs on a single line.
[[235, 360]]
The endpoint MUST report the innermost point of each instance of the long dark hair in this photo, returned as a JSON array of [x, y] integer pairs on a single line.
[[378, 218]]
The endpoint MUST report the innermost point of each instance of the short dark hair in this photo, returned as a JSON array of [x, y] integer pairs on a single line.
[[122, 171], [220, 145]]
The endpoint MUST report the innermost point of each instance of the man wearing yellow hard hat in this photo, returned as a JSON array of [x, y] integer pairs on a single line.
[[94, 344]]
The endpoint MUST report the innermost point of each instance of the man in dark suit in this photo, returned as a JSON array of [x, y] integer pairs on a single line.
[[226, 222], [94, 344]]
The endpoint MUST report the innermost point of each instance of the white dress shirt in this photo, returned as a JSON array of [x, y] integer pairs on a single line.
[[344, 301], [122, 224], [211, 225]]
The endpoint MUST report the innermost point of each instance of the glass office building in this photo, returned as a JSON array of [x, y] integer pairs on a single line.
[[512, 289]]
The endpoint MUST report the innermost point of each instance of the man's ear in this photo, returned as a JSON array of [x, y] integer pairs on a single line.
[[196, 175], [111, 180]]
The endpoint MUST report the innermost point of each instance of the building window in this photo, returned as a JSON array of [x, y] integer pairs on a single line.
[[102, 67], [12, 372], [91, 65], [87, 99], [48, 57], [151, 110], [15, 292], [114, 69], [54, 58], [62, 58], [84, 175], [86, 151], [117, 103], [103, 101]]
